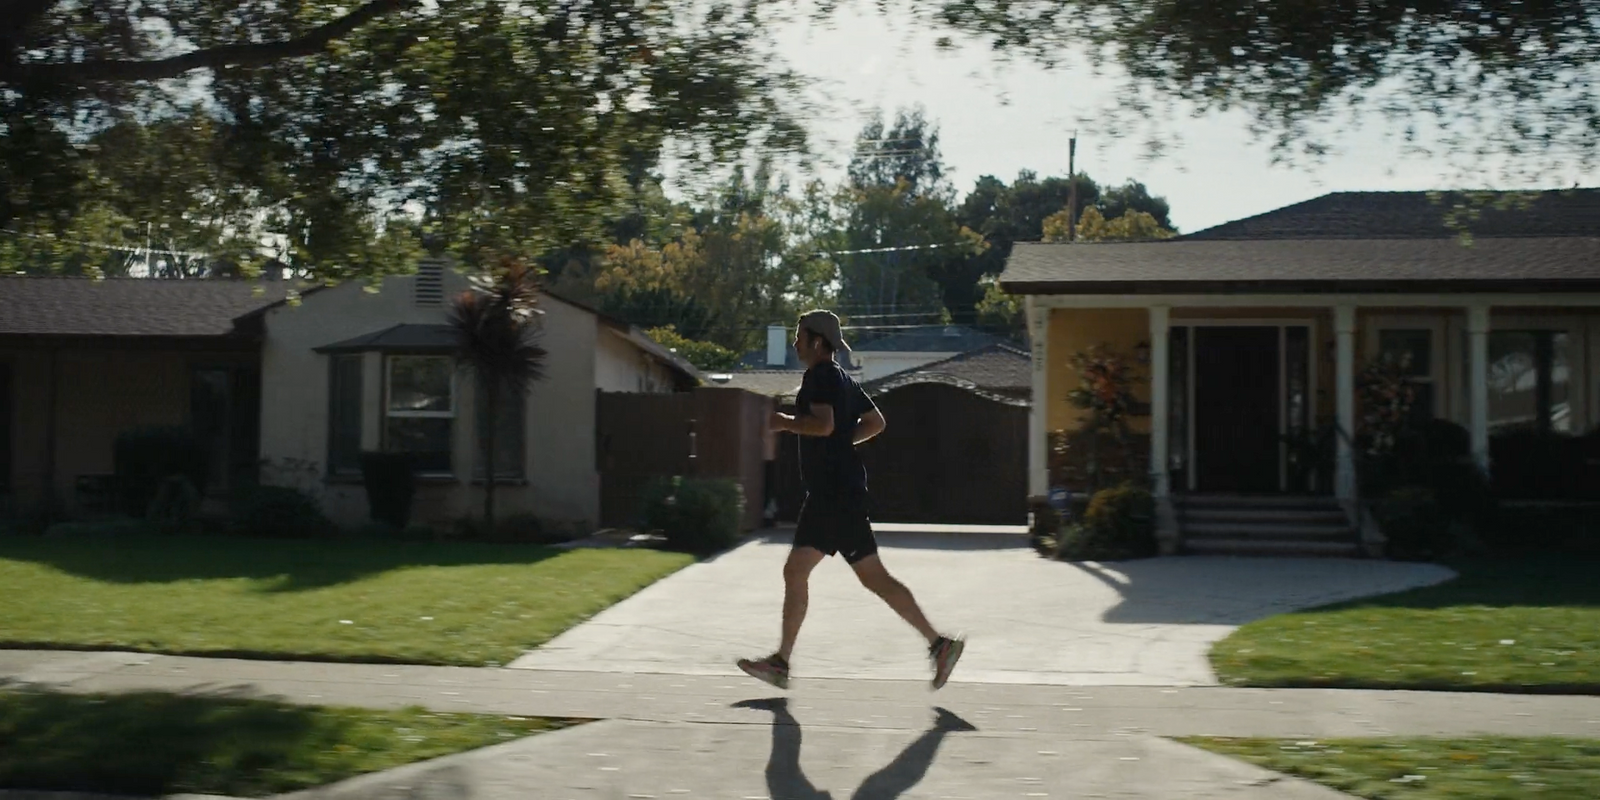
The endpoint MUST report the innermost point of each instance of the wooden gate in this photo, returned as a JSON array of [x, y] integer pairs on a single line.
[[712, 432], [641, 436], [948, 456]]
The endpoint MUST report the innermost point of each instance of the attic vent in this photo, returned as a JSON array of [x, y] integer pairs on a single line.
[[430, 284]]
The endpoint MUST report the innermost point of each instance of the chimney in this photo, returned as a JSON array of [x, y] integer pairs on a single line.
[[777, 346]]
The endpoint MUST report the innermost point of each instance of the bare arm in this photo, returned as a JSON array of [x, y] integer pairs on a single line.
[[872, 423], [818, 423]]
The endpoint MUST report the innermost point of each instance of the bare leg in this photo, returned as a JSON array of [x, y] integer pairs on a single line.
[[874, 576], [796, 594]]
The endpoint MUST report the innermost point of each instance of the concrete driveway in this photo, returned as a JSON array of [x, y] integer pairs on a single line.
[[1028, 620]]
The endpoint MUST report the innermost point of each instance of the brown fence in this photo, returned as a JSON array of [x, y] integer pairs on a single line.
[[710, 432], [947, 456]]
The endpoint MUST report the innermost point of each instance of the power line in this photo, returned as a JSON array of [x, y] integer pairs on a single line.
[[104, 246], [888, 249]]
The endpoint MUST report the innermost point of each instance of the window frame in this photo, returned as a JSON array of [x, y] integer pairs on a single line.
[[358, 392], [452, 413], [1583, 358], [1437, 330]]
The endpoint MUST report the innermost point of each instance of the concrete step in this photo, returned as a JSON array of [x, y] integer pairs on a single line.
[[1256, 501], [1279, 531], [1205, 514], [1258, 547]]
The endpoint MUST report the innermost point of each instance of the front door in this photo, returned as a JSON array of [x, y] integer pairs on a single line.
[[1237, 410]]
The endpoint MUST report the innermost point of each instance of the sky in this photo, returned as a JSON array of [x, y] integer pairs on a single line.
[[864, 61]]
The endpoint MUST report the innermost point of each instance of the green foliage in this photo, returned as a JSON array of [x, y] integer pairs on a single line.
[[708, 356], [1000, 310], [143, 457], [279, 512], [1414, 525], [497, 325], [391, 486], [1131, 225], [698, 515], [746, 257], [1120, 523], [176, 506], [482, 114], [1514, 88]]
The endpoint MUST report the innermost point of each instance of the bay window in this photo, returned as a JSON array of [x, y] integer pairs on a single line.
[[420, 410]]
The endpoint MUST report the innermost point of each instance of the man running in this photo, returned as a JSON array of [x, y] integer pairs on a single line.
[[834, 415]]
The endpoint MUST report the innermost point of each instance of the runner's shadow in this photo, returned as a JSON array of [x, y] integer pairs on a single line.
[[786, 781]]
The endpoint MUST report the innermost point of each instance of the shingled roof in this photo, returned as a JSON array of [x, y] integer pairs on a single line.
[[1419, 215], [1343, 242], [138, 307], [999, 371]]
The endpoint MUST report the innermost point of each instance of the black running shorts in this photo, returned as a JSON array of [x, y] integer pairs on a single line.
[[836, 525]]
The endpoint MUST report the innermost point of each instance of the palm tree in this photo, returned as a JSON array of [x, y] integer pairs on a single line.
[[497, 323]]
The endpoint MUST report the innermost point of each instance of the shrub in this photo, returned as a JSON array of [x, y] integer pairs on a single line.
[[279, 512], [143, 457], [176, 506], [1416, 527], [698, 515], [1119, 523], [1523, 530], [391, 485]]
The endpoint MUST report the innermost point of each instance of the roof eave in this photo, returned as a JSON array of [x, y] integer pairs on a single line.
[[1170, 287]]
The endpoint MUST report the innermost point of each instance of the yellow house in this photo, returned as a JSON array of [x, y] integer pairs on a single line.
[[1255, 330]]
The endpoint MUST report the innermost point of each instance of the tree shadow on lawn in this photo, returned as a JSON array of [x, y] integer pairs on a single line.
[[290, 564], [1515, 582], [152, 744]]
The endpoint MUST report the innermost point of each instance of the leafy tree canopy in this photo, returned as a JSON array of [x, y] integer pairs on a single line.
[[356, 133]]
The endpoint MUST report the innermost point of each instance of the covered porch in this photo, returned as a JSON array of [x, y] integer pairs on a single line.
[[1233, 379]]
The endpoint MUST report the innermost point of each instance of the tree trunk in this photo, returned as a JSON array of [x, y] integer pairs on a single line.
[[491, 406]]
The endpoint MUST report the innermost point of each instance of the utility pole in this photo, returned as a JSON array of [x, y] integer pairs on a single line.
[[1072, 188]]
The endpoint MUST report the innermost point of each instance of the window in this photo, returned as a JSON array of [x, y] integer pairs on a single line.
[[509, 435], [420, 413], [344, 415], [1529, 381], [210, 400], [1417, 343]]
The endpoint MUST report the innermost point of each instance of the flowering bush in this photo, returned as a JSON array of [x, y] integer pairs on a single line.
[[1386, 395], [1105, 389]]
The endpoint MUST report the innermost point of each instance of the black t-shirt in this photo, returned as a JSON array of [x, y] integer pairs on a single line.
[[829, 464]]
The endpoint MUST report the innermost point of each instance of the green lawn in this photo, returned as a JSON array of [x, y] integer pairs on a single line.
[[1430, 769], [155, 744], [1512, 626], [378, 601]]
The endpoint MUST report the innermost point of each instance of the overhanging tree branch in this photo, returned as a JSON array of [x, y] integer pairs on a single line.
[[232, 55]]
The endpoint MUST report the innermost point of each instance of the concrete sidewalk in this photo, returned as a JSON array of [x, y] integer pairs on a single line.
[[1010, 709], [1031, 620], [709, 736]]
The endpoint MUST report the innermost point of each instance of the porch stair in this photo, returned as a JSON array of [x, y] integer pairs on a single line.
[[1265, 525]]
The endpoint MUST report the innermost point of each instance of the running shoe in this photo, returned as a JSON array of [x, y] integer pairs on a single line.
[[945, 653], [772, 669]]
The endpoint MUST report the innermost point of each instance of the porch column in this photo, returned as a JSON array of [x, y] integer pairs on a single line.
[[1344, 328], [1160, 317], [1038, 318], [1478, 385]]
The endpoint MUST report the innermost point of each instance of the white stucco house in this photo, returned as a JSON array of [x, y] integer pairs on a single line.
[[293, 392]]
